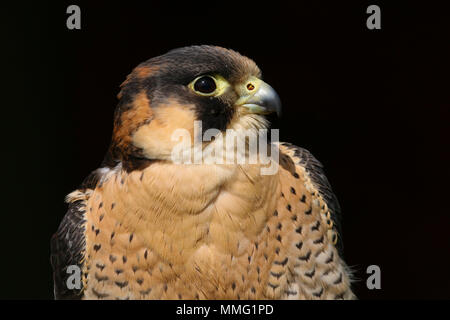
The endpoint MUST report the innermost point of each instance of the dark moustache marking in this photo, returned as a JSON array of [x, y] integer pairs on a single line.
[[214, 113]]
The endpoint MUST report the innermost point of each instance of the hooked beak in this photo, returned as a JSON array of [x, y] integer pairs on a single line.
[[258, 97]]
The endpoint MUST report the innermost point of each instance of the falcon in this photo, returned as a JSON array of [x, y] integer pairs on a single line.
[[144, 226]]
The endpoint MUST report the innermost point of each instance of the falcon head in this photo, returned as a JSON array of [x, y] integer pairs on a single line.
[[216, 86]]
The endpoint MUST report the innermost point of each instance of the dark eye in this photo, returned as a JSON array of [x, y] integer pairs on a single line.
[[205, 85]]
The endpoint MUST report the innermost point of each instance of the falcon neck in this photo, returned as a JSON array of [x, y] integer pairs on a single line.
[[186, 206]]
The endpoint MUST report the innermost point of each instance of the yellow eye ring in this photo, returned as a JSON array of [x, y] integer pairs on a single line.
[[205, 85], [208, 85]]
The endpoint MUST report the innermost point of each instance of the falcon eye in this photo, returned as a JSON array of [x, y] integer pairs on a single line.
[[205, 85], [209, 85]]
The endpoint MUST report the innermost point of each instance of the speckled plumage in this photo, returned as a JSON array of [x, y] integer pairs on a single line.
[[151, 229]]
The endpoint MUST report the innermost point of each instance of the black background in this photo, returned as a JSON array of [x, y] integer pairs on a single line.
[[372, 105]]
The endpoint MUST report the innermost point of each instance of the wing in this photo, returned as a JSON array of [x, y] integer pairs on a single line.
[[68, 246], [302, 157]]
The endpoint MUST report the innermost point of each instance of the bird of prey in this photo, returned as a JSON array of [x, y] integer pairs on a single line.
[[143, 226]]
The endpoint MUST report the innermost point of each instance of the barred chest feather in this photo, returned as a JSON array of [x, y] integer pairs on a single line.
[[209, 232]]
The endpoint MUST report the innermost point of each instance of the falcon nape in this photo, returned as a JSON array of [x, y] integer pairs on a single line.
[[144, 227]]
